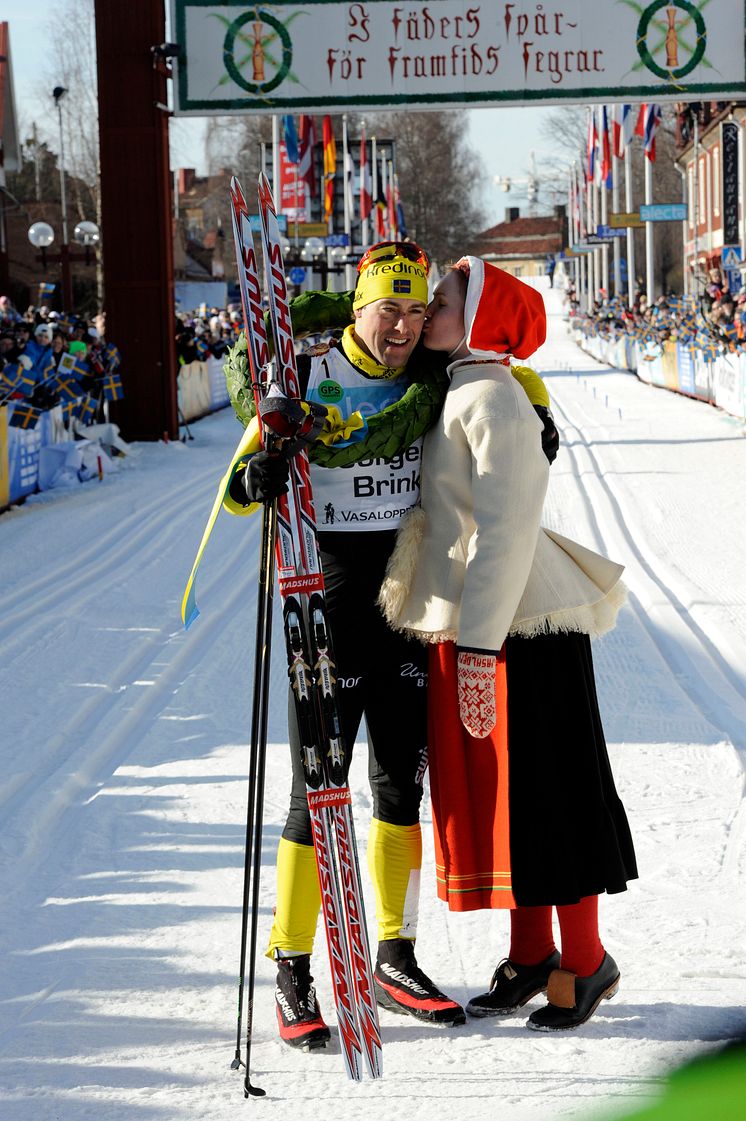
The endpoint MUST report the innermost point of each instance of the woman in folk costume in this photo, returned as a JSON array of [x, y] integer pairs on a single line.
[[525, 810]]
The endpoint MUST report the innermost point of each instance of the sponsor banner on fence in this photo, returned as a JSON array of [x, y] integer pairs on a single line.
[[4, 466], [24, 446], [194, 390], [729, 371], [669, 365], [722, 382], [201, 388], [254, 58], [685, 361]]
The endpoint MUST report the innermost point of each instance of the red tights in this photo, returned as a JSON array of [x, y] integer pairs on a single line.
[[532, 940]]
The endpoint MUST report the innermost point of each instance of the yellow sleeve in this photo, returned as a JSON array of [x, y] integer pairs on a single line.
[[247, 446], [532, 385]]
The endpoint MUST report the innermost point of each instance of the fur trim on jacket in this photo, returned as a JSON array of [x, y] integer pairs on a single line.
[[569, 588]]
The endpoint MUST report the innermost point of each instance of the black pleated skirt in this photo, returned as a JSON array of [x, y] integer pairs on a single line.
[[569, 834]]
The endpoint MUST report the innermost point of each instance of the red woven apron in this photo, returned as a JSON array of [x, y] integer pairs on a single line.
[[469, 790]]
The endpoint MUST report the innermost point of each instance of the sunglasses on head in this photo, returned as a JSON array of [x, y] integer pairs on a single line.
[[388, 250]]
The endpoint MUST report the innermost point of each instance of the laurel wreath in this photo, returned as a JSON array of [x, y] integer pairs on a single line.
[[387, 433]]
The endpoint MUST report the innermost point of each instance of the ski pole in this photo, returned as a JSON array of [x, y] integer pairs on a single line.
[[255, 801], [183, 424]]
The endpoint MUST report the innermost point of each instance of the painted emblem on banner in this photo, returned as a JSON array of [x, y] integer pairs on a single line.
[[671, 37], [257, 50]]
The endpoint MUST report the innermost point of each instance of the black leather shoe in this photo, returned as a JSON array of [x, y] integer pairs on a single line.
[[572, 999], [512, 986]]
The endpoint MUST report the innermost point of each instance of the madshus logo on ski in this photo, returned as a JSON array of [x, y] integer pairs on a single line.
[[289, 530]]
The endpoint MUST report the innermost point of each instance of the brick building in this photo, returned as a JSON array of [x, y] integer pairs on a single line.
[[710, 156], [521, 246]]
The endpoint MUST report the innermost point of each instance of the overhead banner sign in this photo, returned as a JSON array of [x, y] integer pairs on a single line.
[[322, 55]]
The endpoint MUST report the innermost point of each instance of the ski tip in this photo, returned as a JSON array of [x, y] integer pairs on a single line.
[[265, 191], [237, 194]]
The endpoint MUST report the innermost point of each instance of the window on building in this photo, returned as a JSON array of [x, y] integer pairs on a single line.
[[716, 180], [702, 191], [690, 194]]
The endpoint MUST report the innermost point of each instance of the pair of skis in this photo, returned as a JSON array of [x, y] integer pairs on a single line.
[[311, 667]]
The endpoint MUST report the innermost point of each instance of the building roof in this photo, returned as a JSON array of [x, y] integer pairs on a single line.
[[522, 237]]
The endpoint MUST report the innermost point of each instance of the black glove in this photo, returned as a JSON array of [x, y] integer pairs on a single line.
[[550, 436], [266, 477]]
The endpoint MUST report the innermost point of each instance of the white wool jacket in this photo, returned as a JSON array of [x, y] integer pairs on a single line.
[[473, 564]]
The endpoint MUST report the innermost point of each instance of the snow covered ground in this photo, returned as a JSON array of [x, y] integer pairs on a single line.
[[124, 783]]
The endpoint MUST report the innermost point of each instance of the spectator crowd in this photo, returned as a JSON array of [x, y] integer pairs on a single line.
[[48, 358], [206, 332], [713, 323]]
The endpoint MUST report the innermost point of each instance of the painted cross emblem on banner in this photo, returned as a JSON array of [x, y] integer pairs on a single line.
[[671, 37], [257, 50]]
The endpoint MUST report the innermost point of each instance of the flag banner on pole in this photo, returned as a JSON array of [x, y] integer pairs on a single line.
[[290, 138], [24, 415], [350, 184], [366, 196], [401, 225], [381, 219], [391, 208], [45, 289], [11, 375], [653, 116], [85, 410], [592, 144], [113, 357], [291, 197], [112, 387], [306, 146], [624, 128], [330, 167], [67, 388], [640, 122], [605, 149]]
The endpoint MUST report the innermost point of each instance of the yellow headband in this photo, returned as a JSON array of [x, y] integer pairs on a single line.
[[395, 278]]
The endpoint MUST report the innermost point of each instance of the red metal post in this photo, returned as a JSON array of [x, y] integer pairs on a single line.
[[136, 226]]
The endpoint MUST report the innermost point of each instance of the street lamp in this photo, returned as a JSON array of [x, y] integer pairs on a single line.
[[58, 93], [41, 236], [67, 286], [87, 235]]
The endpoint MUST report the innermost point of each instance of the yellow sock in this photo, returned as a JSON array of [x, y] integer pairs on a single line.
[[394, 862], [298, 900]]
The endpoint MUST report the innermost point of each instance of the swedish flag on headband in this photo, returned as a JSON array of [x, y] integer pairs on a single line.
[[24, 415], [112, 387]]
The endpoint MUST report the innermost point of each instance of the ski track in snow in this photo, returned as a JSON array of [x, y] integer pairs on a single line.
[[122, 808]]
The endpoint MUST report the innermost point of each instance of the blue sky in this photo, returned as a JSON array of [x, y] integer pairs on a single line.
[[505, 137]]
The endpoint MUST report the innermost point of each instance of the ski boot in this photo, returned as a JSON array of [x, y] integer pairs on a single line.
[[401, 986], [298, 1014]]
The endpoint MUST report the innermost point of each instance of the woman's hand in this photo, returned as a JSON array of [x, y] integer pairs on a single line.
[[477, 700]]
